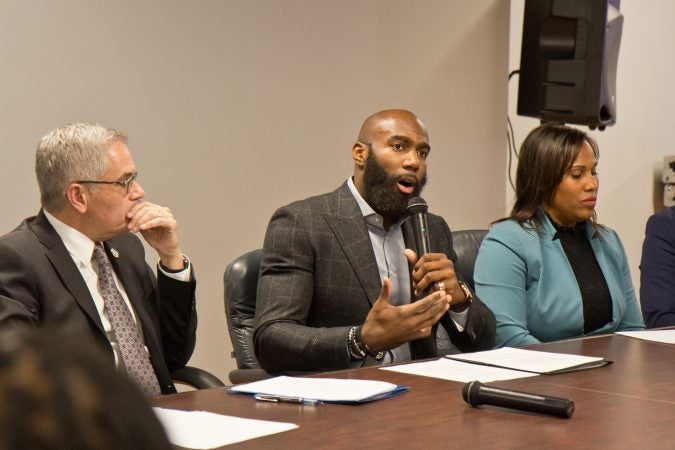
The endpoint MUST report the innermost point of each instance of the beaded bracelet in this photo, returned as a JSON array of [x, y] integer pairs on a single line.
[[364, 347], [355, 350]]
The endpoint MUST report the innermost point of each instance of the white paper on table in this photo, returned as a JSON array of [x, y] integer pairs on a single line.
[[447, 369], [531, 360], [664, 336], [205, 430], [324, 389]]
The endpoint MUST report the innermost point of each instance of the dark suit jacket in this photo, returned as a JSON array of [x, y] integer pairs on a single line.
[[319, 277], [41, 285], [657, 270]]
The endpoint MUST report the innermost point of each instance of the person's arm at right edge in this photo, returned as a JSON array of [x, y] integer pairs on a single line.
[[657, 273]]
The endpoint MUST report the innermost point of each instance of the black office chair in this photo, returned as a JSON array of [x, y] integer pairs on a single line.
[[466, 244], [241, 285], [196, 378]]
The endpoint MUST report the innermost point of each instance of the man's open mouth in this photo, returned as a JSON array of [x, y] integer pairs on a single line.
[[407, 185]]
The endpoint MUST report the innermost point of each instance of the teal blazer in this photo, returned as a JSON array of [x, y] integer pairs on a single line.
[[524, 277]]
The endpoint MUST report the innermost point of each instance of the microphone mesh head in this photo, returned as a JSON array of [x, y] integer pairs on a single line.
[[469, 392], [417, 205]]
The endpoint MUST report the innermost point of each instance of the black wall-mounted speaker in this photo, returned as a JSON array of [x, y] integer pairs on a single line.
[[568, 61]]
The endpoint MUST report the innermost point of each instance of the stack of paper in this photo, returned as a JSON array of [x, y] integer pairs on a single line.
[[501, 364], [447, 369], [531, 360], [199, 429], [322, 389], [665, 336]]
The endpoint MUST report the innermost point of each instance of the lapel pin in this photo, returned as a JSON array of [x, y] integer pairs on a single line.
[[115, 253]]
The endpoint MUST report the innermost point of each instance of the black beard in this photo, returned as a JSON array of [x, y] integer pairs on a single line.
[[381, 191]]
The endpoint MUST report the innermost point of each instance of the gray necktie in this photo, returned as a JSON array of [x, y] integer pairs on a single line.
[[134, 355]]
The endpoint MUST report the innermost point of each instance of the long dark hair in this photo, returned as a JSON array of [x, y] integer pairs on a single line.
[[546, 154]]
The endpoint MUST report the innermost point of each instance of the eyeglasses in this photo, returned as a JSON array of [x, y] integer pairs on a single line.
[[126, 183]]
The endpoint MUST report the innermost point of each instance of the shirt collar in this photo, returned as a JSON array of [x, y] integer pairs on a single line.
[[365, 208], [78, 244]]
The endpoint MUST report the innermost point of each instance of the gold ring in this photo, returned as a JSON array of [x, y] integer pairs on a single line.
[[441, 286]]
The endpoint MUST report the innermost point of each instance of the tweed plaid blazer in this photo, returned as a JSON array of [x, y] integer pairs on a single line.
[[319, 277]]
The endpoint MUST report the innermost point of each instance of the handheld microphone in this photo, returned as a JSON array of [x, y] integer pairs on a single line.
[[476, 393], [417, 208]]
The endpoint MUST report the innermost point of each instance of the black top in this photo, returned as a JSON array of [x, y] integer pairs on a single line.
[[595, 295]]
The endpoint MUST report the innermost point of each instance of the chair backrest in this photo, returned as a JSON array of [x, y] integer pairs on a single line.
[[241, 285], [466, 244]]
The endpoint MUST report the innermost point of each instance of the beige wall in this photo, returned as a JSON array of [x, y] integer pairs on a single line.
[[234, 108], [631, 151]]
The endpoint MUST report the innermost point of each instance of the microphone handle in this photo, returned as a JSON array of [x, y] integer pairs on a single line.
[[527, 402], [421, 231]]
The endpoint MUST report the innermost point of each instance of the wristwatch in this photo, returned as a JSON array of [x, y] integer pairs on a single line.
[[469, 298], [186, 264]]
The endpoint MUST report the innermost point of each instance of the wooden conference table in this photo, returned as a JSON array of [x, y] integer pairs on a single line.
[[627, 404]]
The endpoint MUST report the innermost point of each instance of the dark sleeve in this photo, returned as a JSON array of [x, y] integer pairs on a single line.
[[283, 340], [657, 272], [479, 333], [178, 318], [19, 307]]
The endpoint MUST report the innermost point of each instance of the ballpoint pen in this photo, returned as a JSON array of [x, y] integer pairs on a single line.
[[285, 399]]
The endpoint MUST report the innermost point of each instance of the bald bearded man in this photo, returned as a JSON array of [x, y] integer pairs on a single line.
[[339, 270]]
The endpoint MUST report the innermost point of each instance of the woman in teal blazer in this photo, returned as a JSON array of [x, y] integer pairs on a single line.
[[549, 271]]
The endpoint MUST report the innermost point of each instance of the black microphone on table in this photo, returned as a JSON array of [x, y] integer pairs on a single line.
[[418, 208], [476, 393]]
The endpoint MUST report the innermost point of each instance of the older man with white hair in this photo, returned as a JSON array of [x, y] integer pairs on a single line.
[[77, 264]]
